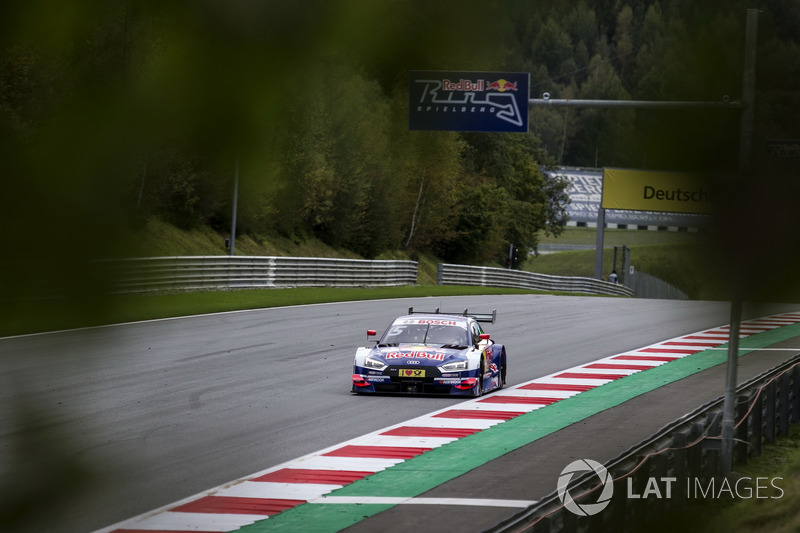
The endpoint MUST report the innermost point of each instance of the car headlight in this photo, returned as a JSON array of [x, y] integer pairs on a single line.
[[374, 363], [458, 365]]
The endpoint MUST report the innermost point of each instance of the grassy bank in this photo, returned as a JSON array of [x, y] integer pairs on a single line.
[[677, 258], [774, 512]]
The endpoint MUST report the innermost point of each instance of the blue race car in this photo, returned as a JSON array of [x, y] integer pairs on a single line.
[[432, 353]]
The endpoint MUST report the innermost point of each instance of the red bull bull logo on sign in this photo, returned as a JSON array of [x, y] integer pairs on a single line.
[[502, 86]]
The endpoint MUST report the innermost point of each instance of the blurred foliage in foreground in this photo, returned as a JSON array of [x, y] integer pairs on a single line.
[[112, 112]]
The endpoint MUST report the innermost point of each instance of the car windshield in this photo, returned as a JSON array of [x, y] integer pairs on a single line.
[[425, 334]]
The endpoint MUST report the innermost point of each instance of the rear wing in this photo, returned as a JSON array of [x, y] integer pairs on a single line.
[[480, 317]]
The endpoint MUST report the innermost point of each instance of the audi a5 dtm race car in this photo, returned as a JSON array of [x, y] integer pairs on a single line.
[[432, 353]]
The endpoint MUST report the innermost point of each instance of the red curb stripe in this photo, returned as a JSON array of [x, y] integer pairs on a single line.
[[716, 332], [748, 326], [557, 386], [710, 344], [519, 399], [378, 452], [303, 475], [669, 350], [578, 375], [646, 357], [409, 431], [478, 415], [612, 366], [162, 531], [234, 505]]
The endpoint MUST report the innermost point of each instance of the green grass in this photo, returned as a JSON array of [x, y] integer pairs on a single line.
[[774, 512], [680, 265], [621, 237]]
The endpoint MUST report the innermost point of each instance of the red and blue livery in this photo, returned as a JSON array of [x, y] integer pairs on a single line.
[[432, 353]]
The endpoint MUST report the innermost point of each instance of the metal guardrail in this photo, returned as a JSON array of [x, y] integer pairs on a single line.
[[221, 272], [500, 277], [646, 286], [685, 450]]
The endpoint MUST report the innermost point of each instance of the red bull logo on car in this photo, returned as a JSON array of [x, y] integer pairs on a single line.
[[420, 355]]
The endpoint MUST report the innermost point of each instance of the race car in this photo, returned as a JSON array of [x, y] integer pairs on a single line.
[[432, 353]]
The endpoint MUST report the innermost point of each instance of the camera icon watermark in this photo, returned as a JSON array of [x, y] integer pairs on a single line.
[[578, 467]]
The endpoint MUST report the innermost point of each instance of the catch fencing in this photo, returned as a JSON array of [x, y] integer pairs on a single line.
[[646, 286], [686, 450], [224, 272], [449, 274]]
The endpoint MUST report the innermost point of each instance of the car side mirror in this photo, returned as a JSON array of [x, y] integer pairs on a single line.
[[371, 333], [482, 337]]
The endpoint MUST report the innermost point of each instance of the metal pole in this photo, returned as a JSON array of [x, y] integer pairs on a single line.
[[745, 152], [598, 249], [542, 102], [235, 203]]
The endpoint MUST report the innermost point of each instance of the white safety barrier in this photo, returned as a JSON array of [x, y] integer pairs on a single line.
[[220, 272], [500, 277]]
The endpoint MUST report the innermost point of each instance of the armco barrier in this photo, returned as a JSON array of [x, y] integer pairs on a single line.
[[221, 272], [500, 277], [685, 454]]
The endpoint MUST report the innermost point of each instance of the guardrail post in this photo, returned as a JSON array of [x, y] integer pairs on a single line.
[[542, 526], [618, 508], [680, 440], [769, 413], [741, 445], [661, 470], [694, 454], [757, 425], [640, 506], [569, 522], [796, 394], [783, 404]]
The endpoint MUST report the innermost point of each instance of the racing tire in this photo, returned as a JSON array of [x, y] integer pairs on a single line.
[[479, 385], [501, 380]]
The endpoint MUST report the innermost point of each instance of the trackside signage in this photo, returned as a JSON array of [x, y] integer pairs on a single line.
[[644, 190], [468, 101]]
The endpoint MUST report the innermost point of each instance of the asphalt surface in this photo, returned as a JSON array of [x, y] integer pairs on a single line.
[[104, 424]]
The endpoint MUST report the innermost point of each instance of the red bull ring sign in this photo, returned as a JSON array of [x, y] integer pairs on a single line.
[[468, 101]]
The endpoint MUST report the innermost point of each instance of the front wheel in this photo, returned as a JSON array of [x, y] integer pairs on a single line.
[[478, 390], [503, 368]]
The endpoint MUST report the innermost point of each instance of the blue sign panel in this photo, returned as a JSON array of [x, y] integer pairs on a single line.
[[468, 101]]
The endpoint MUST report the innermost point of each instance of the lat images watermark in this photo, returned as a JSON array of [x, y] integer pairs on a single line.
[[658, 487]]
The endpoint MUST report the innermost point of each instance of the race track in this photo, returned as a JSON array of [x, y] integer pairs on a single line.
[[124, 419]]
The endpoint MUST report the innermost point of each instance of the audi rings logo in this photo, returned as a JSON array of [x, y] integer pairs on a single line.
[[577, 467]]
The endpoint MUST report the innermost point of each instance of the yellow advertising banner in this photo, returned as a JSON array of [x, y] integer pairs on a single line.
[[645, 190]]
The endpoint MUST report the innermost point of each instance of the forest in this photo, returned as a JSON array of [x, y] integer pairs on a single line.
[[115, 111]]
